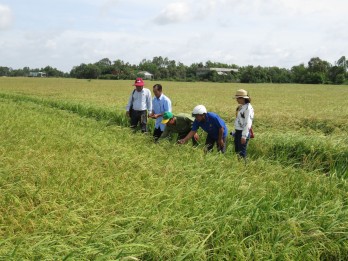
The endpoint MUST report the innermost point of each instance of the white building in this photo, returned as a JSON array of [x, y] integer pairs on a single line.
[[147, 75], [37, 74], [220, 71]]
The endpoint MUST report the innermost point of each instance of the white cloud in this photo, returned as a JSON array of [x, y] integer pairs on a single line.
[[279, 33], [174, 13], [6, 17], [107, 5]]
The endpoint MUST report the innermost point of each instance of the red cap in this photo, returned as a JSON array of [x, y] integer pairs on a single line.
[[139, 82]]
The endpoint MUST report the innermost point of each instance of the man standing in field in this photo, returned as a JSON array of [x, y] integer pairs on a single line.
[[160, 104], [211, 123], [139, 104], [180, 124]]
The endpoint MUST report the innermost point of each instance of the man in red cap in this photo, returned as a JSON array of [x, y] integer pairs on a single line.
[[139, 104]]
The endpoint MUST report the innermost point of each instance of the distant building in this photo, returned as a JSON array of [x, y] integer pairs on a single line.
[[147, 75], [37, 74], [220, 71]]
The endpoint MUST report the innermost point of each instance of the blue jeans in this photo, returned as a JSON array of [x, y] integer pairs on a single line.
[[240, 149]]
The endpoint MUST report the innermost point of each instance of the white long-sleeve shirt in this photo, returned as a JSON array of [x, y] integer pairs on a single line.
[[141, 100], [244, 119]]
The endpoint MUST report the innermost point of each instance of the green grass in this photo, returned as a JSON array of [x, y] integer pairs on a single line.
[[76, 186]]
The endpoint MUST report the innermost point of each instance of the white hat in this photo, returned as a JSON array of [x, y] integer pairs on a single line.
[[199, 109]]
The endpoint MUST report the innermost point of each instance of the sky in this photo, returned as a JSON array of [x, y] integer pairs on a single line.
[[66, 33]]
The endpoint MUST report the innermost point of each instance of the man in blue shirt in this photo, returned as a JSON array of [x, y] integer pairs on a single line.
[[212, 124], [160, 105]]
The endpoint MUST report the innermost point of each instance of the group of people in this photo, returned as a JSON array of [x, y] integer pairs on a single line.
[[141, 106]]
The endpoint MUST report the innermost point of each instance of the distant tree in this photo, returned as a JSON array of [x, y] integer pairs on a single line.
[[251, 74], [151, 67], [159, 61], [318, 70], [86, 71], [278, 75], [191, 71], [5, 71], [342, 62], [315, 78], [105, 66], [299, 73], [246, 74], [181, 71], [337, 74], [52, 72]]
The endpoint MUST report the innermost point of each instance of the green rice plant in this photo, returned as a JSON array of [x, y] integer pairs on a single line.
[[315, 153], [73, 190], [75, 186], [84, 110], [278, 107]]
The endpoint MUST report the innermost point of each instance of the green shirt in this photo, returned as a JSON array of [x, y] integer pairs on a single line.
[[183, 124]]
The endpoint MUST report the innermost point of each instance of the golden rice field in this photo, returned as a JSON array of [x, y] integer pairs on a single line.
[[77, 184]]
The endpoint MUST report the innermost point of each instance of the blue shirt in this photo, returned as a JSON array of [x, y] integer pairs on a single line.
[[211, 125], [161, 105]]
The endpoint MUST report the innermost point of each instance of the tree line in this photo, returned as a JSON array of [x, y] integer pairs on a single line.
[[317, 71]]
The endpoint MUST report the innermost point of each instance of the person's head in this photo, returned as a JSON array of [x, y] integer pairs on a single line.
[[157, 90], [139, 84], [242, 97], [199, 113], [168, 118]]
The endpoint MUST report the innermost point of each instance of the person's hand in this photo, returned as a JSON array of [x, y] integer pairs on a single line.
[[196, 137], [243, 140], [127, 114], [221, 143], [182, 141], [150, 115]]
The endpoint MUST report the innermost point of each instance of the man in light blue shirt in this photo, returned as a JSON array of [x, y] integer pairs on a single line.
[[161, 104], [139, 104]]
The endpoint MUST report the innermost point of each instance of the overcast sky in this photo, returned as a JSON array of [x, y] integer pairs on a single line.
[[66, 33]]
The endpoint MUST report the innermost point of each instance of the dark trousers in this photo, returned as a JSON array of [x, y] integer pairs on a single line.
[[139, 117], [209, 144], [157, 133], [240, 149]]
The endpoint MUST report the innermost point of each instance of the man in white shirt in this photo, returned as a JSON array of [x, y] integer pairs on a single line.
[[160, 105], [139, 104]]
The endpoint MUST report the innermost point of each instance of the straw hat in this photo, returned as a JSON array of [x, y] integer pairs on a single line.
[[242, 94]]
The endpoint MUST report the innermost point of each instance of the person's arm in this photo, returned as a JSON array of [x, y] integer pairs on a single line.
[[129, 104], [167, 106], [149, 102], [165, 133], [247, 125], [220, 137], [188, 136], [152, 112]]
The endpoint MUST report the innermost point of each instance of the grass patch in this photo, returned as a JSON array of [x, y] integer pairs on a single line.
[[72, 188]]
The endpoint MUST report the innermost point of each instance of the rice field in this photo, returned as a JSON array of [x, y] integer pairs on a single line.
[[77, 184]]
